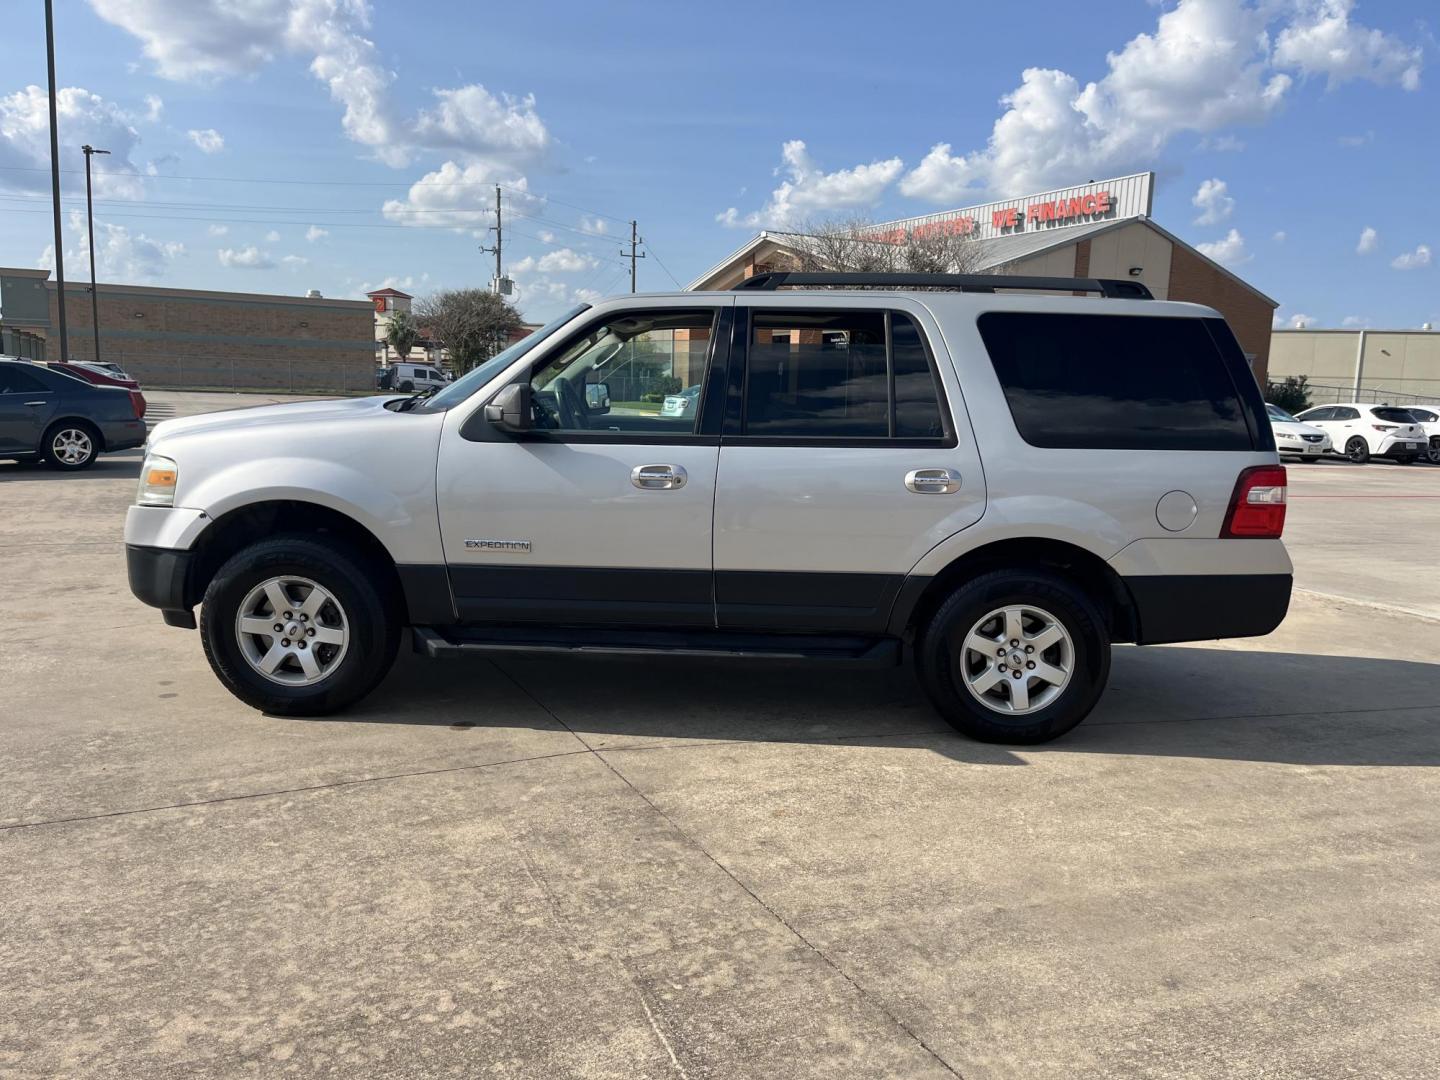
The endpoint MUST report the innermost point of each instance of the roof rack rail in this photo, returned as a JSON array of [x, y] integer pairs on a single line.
[[1110, 288]]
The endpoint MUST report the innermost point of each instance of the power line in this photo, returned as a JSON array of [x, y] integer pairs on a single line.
[[651, 248]]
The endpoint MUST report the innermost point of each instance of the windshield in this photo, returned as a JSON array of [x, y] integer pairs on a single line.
[[1277, 413], [477, 377]]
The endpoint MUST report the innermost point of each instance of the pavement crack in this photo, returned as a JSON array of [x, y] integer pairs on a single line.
[[695, 843], [357, 782]]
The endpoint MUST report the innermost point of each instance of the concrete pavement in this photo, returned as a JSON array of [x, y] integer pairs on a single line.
[[590, 869]]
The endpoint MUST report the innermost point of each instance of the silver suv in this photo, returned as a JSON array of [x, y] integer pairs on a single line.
[[996, 475]]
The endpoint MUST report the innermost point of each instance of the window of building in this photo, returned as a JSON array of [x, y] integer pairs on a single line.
[[840, 374], [1119, 382]]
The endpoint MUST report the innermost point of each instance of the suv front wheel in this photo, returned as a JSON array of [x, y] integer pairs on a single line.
[[294, 627], [1014, 656]]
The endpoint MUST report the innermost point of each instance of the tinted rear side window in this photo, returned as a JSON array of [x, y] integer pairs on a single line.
[[1394, 416], [1115, 382]]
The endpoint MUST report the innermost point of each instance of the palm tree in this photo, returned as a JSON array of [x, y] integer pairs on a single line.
[[401, 334]]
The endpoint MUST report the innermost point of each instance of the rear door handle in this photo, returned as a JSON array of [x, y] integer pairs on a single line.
[[933, 481], [33, 404], [658, 477]]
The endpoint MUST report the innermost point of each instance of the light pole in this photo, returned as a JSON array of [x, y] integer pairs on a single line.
[[55, 182], [90, 217]]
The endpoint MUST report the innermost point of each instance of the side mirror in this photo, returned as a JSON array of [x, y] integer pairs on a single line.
[[597, 397], [510, 409]]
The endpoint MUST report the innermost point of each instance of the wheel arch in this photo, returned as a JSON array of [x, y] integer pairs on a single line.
[[78, 419], [244, 525], [921, 597]]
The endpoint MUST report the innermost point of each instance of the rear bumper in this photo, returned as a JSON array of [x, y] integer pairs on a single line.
[[1204, 607], [1393, 447], [122, 434]]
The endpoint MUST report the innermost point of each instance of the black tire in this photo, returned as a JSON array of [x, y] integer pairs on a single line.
[[1357, 450], [373, 618], [938, 655], [407, 386], [1432, 452], [54, 460]]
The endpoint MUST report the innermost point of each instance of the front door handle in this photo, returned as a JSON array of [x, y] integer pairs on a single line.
[[33, 404], [658, 477], [933, 481]]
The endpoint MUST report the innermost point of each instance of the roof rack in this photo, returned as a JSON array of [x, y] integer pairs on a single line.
[[1110, 288]]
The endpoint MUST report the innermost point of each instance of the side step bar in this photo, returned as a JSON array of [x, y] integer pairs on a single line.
[[790, 648]]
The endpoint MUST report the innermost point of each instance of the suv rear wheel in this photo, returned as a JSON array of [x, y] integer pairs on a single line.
[[1015, 656], [295, 627]]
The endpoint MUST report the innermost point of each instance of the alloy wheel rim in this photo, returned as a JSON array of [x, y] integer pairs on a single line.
[[292, 631], [72, 446], [1017, 659]]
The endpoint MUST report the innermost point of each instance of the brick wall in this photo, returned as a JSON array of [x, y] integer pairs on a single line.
[[167, 337], [1195, 280]]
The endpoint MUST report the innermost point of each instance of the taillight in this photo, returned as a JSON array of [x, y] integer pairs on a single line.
[[1384, 427], [138, 404], [1257, 509]]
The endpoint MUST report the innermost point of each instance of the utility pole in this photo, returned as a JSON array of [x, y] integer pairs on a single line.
[[499, 230], [55, 181], [90, 217], [635, 241]]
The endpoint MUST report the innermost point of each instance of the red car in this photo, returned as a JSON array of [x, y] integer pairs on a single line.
[[92, 373]]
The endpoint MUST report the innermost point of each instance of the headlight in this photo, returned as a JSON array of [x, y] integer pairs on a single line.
[[157, 482], [1288, 435]]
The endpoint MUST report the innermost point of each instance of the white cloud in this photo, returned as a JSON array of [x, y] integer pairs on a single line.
[[546, 236], [272, 237], [1279, 236], [83, 117], [1412, 260], [1214, 202], [247, 258], [208, 140], [1227, 252], [218, 230], [562, 261], [404, 284], [807, 190], [1207, 66], [461, 198], [120, 255], [295, 261], [1222, 144], [217, 39], [315, 233], [154, 106], [1357, 140], [595, 226], [1369, 241], [586, 296], [1301, 322], [1355, 321], [1323, 41]]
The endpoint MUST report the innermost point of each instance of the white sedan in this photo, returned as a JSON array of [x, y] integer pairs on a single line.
[[1292, 438]]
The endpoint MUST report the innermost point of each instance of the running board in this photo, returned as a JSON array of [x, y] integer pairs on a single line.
[[791, 648]]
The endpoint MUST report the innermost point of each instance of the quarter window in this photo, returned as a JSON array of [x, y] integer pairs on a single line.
[[1119, 382], [839, 374]]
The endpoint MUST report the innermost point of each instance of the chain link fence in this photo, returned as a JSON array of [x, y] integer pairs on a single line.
[[1321, 394]]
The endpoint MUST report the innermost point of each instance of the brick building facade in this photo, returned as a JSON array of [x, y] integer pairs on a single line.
[[201, 339]]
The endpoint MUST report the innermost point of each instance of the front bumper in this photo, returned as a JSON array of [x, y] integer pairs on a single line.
[[160, 577], [1288, 448]]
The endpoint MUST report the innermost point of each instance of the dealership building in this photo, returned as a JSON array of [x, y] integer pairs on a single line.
[[195, 338], [1098, 229]]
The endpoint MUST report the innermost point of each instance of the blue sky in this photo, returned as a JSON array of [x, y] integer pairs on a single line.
[[272, 146]]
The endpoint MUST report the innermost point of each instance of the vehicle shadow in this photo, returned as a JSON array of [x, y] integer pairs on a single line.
[[122, 465], [1232, 704]]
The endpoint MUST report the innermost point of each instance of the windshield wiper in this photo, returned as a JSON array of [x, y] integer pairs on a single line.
[[415, 399]]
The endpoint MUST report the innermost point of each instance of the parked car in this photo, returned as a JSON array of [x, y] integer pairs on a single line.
[[107, 366], [100, 376], [681, 404], [407, 378], [1304, 442], [63, 419], [835, 500], [1361, 430], [1428, 417]]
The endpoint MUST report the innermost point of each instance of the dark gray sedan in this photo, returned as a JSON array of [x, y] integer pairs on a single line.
[[64, 420]]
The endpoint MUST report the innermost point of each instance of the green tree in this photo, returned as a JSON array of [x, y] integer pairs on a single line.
[[472, 324], [402, 334], [1292, 395]]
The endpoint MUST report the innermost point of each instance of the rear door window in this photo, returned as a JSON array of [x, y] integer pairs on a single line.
[[1117, 382], [1393, 416]]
